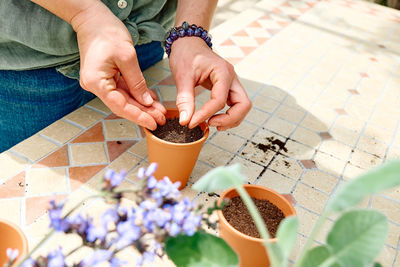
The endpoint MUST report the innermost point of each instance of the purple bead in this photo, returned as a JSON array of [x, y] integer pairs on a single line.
[[203, 35], [197, 32], [181, 33], [208, 39], [167, 45], [189, 32], [169, 40], [173, 36]]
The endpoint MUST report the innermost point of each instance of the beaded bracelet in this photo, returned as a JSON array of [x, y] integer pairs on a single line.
[[183, 31]]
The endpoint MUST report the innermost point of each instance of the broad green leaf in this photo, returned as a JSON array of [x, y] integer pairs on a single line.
[[286, 235], [200, 250], [220, 178], [377, 264], [316, 256], [357, 237], [353, 192]]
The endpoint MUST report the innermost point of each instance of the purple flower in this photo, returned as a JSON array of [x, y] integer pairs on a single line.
[[97, 256], [12, 254], [55, 215], [141, 172], [151, 182], [128, 232], [114, 179], [115, 262], [174, 229], [94, 232], [111, 215], [151, 169], [165, 189], [79, 224], [147, 256], [28, 263], [191, 224], [56, 258]]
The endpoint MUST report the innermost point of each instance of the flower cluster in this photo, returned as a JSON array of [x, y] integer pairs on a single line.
[[157, 214]]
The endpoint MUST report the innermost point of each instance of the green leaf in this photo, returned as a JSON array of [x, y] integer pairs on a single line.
[[353, 192], [220, 178], [316, 256], [286, 235], [200, 250], [377, 264], [357, 237]]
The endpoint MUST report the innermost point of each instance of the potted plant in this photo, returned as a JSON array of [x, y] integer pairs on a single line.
[[172, 148], [13, 245], [356, 237]]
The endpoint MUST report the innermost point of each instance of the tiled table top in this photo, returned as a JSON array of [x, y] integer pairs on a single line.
[[324, 77]]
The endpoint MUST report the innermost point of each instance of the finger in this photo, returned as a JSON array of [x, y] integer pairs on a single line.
[[240, 106], [129, 67], [185, 99], [117, 101], [156, 110], [219, 95]]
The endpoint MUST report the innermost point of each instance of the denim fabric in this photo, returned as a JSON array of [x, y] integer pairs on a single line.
[[33, 99]]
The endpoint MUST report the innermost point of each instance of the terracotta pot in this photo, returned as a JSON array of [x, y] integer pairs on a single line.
[[250, 250], [175, 160], [11, 236]]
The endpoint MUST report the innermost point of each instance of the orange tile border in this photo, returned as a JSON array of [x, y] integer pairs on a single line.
[[14, 187]]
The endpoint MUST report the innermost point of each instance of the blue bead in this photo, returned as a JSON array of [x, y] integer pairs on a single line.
[[169, 40], [189, 32], [208, 39], [167, 45], [181, 33], [197, 32], [204, 35], [174, 35]]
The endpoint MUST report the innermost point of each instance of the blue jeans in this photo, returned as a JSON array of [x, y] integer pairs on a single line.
[[33, 99]]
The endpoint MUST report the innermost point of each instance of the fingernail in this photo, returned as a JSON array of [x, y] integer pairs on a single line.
[[148, 100], [183, 116]]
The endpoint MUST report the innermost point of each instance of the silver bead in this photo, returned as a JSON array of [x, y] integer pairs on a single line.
[[122, 4]]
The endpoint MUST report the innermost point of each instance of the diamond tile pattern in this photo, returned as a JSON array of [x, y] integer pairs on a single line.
[[325, 110]]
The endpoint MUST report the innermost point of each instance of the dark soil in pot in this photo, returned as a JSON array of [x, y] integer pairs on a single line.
[[172, 131], [238, 216]]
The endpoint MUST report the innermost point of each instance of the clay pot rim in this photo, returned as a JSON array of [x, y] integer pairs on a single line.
[[206, 132], [221, 216], [20, 233]]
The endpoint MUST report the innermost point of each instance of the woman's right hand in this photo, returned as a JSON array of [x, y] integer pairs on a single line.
[[107, 52]]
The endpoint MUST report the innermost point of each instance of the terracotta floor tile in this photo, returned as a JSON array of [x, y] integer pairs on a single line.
[[37, 206], [94, 134], [46, 181], [85, 154], [116, 148], [80, 175], [99, 105], [14, 187], [168, 81], [59, 158], [116, 129], [140, 148], [308, 164], [112, 116]]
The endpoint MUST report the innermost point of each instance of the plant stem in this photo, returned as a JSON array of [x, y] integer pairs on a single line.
[[74, 250], [259, 222], [311, 238]]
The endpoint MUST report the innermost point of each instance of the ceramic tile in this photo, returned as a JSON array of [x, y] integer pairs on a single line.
[[364, 160], [116, 148], [228, 141], [60, 131], [308, 164], [140, 148], [14, 187], [388, 207], [249, 169], [85, 154], [306, 137], [280, 126], [80, 175], [124, 162], [320, 180], [290, 114], [352, 172], [372, 146], [156, 73], [34, 147], [307, 220], [298, 151], [257, 117], [94, 134], [37, 206], [117, 129], [11, 164], [245, 129], [330, 164], [336, 149], [84, 117], [99, 105], [310, 198], [199, 170], [46, 181], [350, 123], [168, 93], [344, 135], [312, 123], [35, 232], [59, 158], [393, 236], [214, 155], [386, 256], [265, 103], [254, 152], [286, 166], [10, 209], [276, 181]]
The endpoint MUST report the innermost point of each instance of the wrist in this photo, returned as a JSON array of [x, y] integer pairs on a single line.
[[97, 13]]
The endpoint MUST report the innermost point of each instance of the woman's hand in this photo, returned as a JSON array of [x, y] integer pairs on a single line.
[[106, 52], [193, 63]]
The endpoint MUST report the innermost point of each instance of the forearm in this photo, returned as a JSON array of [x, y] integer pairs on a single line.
[[199, 12], [75, 12]]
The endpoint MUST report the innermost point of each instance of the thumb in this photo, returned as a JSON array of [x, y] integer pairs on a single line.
[[185, 99]]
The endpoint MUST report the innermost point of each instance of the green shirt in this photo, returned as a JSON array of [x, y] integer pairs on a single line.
[[32, 37]]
